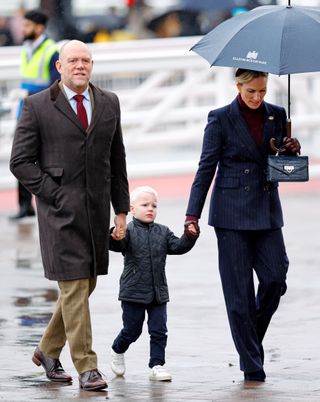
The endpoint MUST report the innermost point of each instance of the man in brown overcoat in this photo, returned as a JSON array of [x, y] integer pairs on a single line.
[[68, 151]]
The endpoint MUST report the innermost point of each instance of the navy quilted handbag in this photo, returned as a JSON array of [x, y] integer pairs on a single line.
[[287, 168]]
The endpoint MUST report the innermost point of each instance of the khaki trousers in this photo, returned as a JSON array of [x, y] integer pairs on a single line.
[[71, 322]]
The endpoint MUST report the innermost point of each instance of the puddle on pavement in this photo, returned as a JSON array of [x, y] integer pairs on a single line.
[[33, 310], [40, 380], [92, 394], [37, 298], [28, 314], [36, 319]]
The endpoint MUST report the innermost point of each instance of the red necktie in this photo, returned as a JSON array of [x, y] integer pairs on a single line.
[[81, 111]]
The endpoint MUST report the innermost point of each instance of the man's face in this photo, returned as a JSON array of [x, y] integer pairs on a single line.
[[75, 66], [30, 30]]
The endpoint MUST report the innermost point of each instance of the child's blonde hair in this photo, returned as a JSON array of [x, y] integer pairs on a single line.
[[139, 190]]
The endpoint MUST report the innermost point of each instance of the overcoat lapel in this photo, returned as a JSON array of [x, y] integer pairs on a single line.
[[62, 103], [99, 104]]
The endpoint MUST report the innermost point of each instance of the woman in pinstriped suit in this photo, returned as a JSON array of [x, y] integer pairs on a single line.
[[245, 211]]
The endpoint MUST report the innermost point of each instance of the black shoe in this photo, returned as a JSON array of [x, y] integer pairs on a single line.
[[23, 213], [259, 375]]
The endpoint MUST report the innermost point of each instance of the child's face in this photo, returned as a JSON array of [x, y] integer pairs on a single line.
[[145, 207]]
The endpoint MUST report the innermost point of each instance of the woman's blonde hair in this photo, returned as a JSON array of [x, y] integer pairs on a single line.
[[244, 76]]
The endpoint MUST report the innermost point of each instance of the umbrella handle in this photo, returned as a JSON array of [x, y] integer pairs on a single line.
[[274, 148], [288, 128]]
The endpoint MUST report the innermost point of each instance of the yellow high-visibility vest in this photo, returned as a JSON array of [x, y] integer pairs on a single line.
[[35, 71]]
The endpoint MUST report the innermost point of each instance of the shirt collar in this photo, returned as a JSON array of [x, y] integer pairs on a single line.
[[70, 93], [32, 45]]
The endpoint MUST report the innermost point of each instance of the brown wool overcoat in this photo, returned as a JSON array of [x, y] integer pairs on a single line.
[[75, 175]]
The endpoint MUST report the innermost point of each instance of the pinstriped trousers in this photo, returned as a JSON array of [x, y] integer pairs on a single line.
[[241, 253], [71, 322]]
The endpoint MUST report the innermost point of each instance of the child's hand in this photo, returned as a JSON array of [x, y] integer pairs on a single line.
[[191, 230], [118, 236]]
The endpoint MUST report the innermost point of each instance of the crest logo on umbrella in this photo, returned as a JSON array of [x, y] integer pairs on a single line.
[[252, 54]]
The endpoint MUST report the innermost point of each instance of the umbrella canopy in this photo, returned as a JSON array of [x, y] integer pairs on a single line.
[[275, 39]]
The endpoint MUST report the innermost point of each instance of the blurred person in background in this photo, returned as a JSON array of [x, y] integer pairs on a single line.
[[38, 72], [173, 23], [16, 25], [5, 34]]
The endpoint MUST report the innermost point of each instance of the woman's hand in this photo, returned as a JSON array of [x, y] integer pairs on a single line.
[[191, 229], [292, 145]]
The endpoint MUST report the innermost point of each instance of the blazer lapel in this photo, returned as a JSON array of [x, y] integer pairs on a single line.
[[269, 130]]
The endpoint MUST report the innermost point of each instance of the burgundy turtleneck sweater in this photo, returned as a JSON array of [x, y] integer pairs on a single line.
[[254, 119]]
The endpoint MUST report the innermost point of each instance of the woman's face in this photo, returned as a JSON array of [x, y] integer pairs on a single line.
[[253, 92]]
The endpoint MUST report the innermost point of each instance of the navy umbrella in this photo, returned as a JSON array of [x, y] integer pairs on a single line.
[[275, 39]]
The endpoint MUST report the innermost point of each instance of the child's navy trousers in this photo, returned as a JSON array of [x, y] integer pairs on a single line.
[[133, 315]]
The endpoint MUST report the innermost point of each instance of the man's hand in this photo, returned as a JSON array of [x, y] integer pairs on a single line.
[[292, 145], [119, 231]]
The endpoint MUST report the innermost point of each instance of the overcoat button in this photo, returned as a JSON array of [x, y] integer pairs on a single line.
[[246, 171], [247, 188]]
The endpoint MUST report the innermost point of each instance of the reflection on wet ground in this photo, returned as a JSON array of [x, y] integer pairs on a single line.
[[35, 319], [200, 353], [42, 296]]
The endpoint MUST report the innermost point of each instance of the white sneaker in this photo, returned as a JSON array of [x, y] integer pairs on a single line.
[[159, 373], [117, 363]]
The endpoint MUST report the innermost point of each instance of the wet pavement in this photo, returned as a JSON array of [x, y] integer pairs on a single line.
[[200, 353]]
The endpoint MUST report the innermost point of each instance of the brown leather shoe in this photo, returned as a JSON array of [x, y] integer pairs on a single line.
[[91, 381], [53, 367]]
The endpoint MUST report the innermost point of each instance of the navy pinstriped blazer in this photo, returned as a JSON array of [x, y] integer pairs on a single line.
[[241, 198]]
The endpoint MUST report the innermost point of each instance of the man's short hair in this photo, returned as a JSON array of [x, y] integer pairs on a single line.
[[37, 16]]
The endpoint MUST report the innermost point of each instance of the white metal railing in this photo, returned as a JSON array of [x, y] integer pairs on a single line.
[[165, 92]]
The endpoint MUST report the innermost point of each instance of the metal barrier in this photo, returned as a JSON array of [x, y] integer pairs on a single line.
[[165, 92]]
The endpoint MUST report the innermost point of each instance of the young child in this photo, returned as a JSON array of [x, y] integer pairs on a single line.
[[143, 283]]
